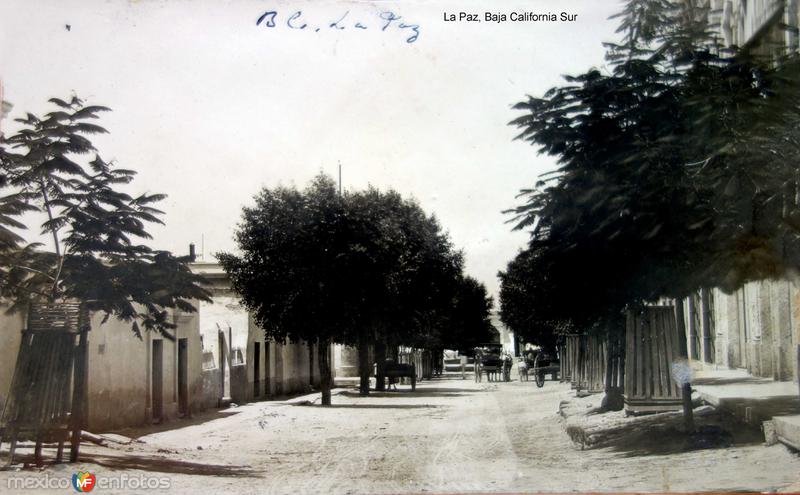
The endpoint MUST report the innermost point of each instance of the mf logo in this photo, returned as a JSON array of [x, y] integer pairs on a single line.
[[83, 482]]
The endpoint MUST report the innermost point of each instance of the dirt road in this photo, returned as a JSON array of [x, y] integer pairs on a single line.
[[448, 436]]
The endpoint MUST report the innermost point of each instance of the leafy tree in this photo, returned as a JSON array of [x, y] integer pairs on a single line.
[[95, 227], [368, 268], [403, 276], [675, 173], [526, 301], [663, 184], [293, 273], [469, 322]]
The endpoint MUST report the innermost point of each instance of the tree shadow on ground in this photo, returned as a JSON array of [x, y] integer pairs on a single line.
[[709, 434], [405, 391], [156, 465], [370, 406], [196, 419]]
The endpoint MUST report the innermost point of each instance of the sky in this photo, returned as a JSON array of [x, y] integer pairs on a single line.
[[214, 100]]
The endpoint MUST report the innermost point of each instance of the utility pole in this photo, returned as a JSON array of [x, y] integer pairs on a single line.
[[340, 177]]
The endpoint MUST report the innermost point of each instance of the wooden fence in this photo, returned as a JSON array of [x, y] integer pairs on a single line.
[[651, 346], [48, 398], [566, 360], [615, 369], [584, 362]]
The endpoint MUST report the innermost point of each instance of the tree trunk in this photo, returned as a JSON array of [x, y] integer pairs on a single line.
[[683, 352], [380, 359], [363, 364], [615, 431], [613, 400], [705, 308], [325, 376]]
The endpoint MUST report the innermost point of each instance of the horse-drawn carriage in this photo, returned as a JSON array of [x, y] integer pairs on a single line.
[[493, 361], [393, 371], [539, 363]]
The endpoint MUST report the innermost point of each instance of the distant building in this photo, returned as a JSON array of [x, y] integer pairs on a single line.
[[240, 364], [507, 337], [5, 107], [763, 27]]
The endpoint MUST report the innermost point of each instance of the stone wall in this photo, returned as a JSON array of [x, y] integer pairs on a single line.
[[757, 328]]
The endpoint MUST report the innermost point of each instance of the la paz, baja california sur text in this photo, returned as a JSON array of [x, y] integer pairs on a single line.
[[513, 16]]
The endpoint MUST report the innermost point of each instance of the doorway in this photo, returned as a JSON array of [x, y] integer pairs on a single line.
[[267, 379], [157, 385], [256, 371], [183, 377]]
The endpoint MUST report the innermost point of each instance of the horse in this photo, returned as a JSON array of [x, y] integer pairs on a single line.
[[522, 368]]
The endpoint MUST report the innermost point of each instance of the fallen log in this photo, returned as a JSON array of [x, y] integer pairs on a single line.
[[95, 439], [596, 434]]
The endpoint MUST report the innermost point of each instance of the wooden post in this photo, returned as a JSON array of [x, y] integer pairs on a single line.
[[363, 364], [613, 384], [60, 451], [692, 351], [37, 451], [78, 418], [686, 388], [12, 447], [325, 375], [380, 360], [708, 339], [311, 363]]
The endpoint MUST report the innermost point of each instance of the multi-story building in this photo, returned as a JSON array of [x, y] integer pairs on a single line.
[[5, 107], [764, 27], [756, 328]]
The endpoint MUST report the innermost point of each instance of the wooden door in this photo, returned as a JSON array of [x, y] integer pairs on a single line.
[[183, 377], [256, 369], [158, 380]]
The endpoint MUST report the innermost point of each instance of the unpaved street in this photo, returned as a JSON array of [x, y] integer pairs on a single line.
[[448, 436]]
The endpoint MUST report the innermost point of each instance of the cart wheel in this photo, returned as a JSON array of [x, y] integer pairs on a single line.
[[413, 382], [539, 374]]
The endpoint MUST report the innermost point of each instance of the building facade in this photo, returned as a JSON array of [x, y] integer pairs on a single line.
[[240, 364], [757, 327], [131, 381], [214, 356], [763, 27]]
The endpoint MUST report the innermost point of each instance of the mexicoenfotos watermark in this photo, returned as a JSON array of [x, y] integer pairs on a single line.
[[84, 482]]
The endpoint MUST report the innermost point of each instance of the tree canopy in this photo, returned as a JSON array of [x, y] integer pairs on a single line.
[[366, 268], [675, 172], [96, 228], [468, 322]]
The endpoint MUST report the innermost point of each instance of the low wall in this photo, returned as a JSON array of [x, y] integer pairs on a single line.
[[239, 384], [211, 389]]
